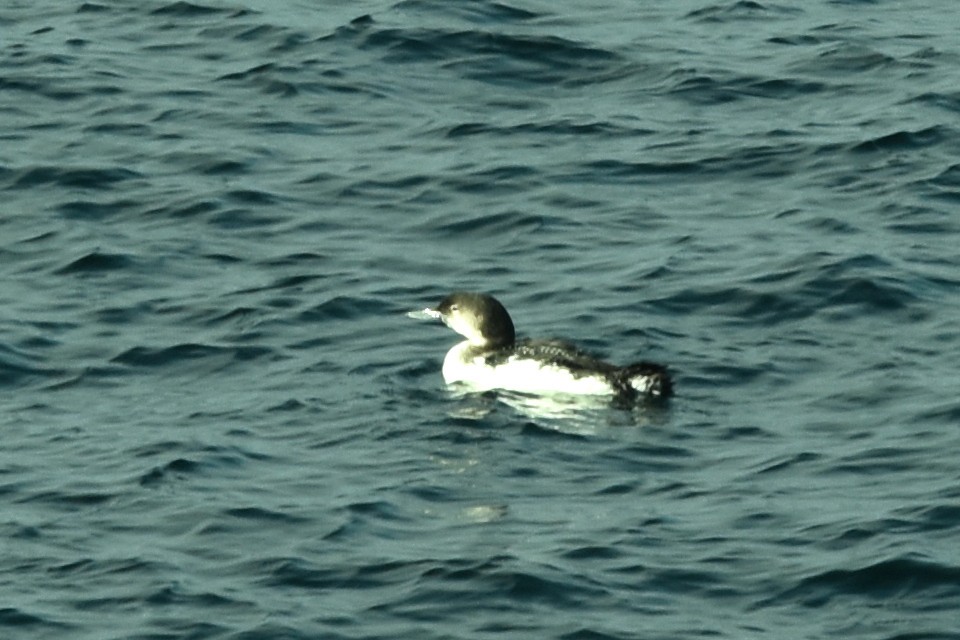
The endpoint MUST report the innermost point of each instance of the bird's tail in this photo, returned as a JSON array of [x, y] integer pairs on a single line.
[[648, 379]]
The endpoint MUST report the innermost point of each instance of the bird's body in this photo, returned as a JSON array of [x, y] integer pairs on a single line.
[[492, 358]]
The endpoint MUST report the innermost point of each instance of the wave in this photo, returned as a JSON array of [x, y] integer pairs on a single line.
[[148, 357], [900, 577], [802, 287]]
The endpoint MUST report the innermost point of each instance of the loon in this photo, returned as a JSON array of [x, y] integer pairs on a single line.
[[492, 358]]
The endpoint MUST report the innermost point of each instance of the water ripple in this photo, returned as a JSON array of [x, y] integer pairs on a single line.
[[218, 422]]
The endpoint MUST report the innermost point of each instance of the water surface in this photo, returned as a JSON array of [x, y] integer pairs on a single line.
[[218, 423]]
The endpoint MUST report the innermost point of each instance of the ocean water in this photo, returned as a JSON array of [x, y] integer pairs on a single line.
[[217, 422]]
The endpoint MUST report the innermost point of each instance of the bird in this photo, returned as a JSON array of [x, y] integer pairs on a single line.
[[492, 357]]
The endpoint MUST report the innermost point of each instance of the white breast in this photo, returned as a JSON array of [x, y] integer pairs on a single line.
[[518, 374]]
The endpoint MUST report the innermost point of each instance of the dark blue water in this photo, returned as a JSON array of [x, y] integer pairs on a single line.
[[217, 422]]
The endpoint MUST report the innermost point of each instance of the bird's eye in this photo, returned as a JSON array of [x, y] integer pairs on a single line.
[[454, 307]]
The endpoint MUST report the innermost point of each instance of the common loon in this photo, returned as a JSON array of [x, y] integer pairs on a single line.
[[492, 358]]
